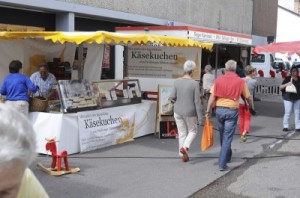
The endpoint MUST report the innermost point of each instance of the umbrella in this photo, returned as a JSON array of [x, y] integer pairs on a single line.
[[292, 47]]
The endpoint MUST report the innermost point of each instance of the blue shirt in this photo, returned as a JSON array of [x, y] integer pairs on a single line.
[[44, 85], [15, 86]]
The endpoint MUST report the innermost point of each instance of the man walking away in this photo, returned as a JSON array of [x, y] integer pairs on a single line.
[[225, 96]]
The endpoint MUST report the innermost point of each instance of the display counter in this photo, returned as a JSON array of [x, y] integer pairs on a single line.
[[90, 130]]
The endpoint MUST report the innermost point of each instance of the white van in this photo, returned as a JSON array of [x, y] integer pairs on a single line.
[[263, 62]]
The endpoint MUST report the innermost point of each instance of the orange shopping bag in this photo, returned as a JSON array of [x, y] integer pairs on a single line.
[[208, 135]]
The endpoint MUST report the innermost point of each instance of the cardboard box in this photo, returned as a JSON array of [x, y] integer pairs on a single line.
[[167, 130]]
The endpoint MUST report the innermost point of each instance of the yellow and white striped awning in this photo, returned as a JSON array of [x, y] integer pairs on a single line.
[[108, 38]]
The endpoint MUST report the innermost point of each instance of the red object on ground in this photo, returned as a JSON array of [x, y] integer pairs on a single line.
[[57, 156], [260, 73]]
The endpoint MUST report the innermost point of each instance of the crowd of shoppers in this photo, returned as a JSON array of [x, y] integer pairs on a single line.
[[16, 86], [229, 93]]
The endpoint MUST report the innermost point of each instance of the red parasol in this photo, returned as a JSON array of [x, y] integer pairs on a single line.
[[292, 47]]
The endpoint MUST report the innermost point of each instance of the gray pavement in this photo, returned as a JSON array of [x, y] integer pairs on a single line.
[[264, 166]]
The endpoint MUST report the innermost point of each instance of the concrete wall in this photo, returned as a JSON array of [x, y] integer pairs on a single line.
[[264, 17], [288, 4], [287, 30], [288, 25], [230, 15]]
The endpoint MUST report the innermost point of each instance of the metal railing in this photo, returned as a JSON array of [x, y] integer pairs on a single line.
[[268, 86]]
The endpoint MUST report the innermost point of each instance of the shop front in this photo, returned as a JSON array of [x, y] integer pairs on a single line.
[[227, 45], [93, 113]]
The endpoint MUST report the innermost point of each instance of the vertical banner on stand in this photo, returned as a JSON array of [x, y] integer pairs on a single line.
[[105, 127], [106, 57]]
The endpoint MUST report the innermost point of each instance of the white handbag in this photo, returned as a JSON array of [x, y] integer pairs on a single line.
[[291, 88]]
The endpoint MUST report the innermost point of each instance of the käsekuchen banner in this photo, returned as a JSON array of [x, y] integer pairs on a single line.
[[161, 62]]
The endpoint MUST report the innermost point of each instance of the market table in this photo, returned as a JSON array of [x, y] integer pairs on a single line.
[[68, 130]]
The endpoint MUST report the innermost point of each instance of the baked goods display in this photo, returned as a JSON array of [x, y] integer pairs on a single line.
[[81, 101], [111, 93], [76, 95], [81, 95]]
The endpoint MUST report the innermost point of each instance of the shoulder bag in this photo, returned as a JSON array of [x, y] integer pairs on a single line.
[[291, 88]]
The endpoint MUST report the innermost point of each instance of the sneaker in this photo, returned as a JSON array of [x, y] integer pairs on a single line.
[[285, 129], [224, 169], [185, 154]]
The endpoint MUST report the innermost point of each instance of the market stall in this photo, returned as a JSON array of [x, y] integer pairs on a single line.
[[77, 127]]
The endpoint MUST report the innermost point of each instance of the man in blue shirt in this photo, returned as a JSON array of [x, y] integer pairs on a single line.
[[15, 87], [45, 81]]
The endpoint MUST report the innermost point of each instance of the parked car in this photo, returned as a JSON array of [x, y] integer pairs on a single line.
[[281, 65], [296, 63]]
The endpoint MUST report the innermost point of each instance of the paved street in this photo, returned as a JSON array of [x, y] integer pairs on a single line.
[[274, 173], [265, 166]]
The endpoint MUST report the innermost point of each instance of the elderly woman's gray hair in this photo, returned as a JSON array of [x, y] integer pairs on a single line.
[[189, 66], [208, 68], [17, 137], [230, 65]]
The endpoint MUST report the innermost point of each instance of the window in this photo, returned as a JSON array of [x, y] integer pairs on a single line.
[[259, 58], [271, 60]]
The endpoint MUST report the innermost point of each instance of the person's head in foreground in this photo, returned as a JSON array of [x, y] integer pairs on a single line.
[[17, 150]]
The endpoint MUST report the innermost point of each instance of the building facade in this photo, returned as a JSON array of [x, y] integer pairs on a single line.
[[254, 18]]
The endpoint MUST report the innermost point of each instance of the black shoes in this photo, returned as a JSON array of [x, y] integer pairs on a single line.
[[256, 99], [286, 129]]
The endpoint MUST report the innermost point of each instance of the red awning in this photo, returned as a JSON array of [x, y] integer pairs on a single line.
[[292, 47]]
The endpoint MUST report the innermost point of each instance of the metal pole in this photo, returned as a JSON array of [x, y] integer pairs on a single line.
[[80, 60], [216, 62]]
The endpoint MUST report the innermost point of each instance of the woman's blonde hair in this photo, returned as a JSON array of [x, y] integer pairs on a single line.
[[249, 70]]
